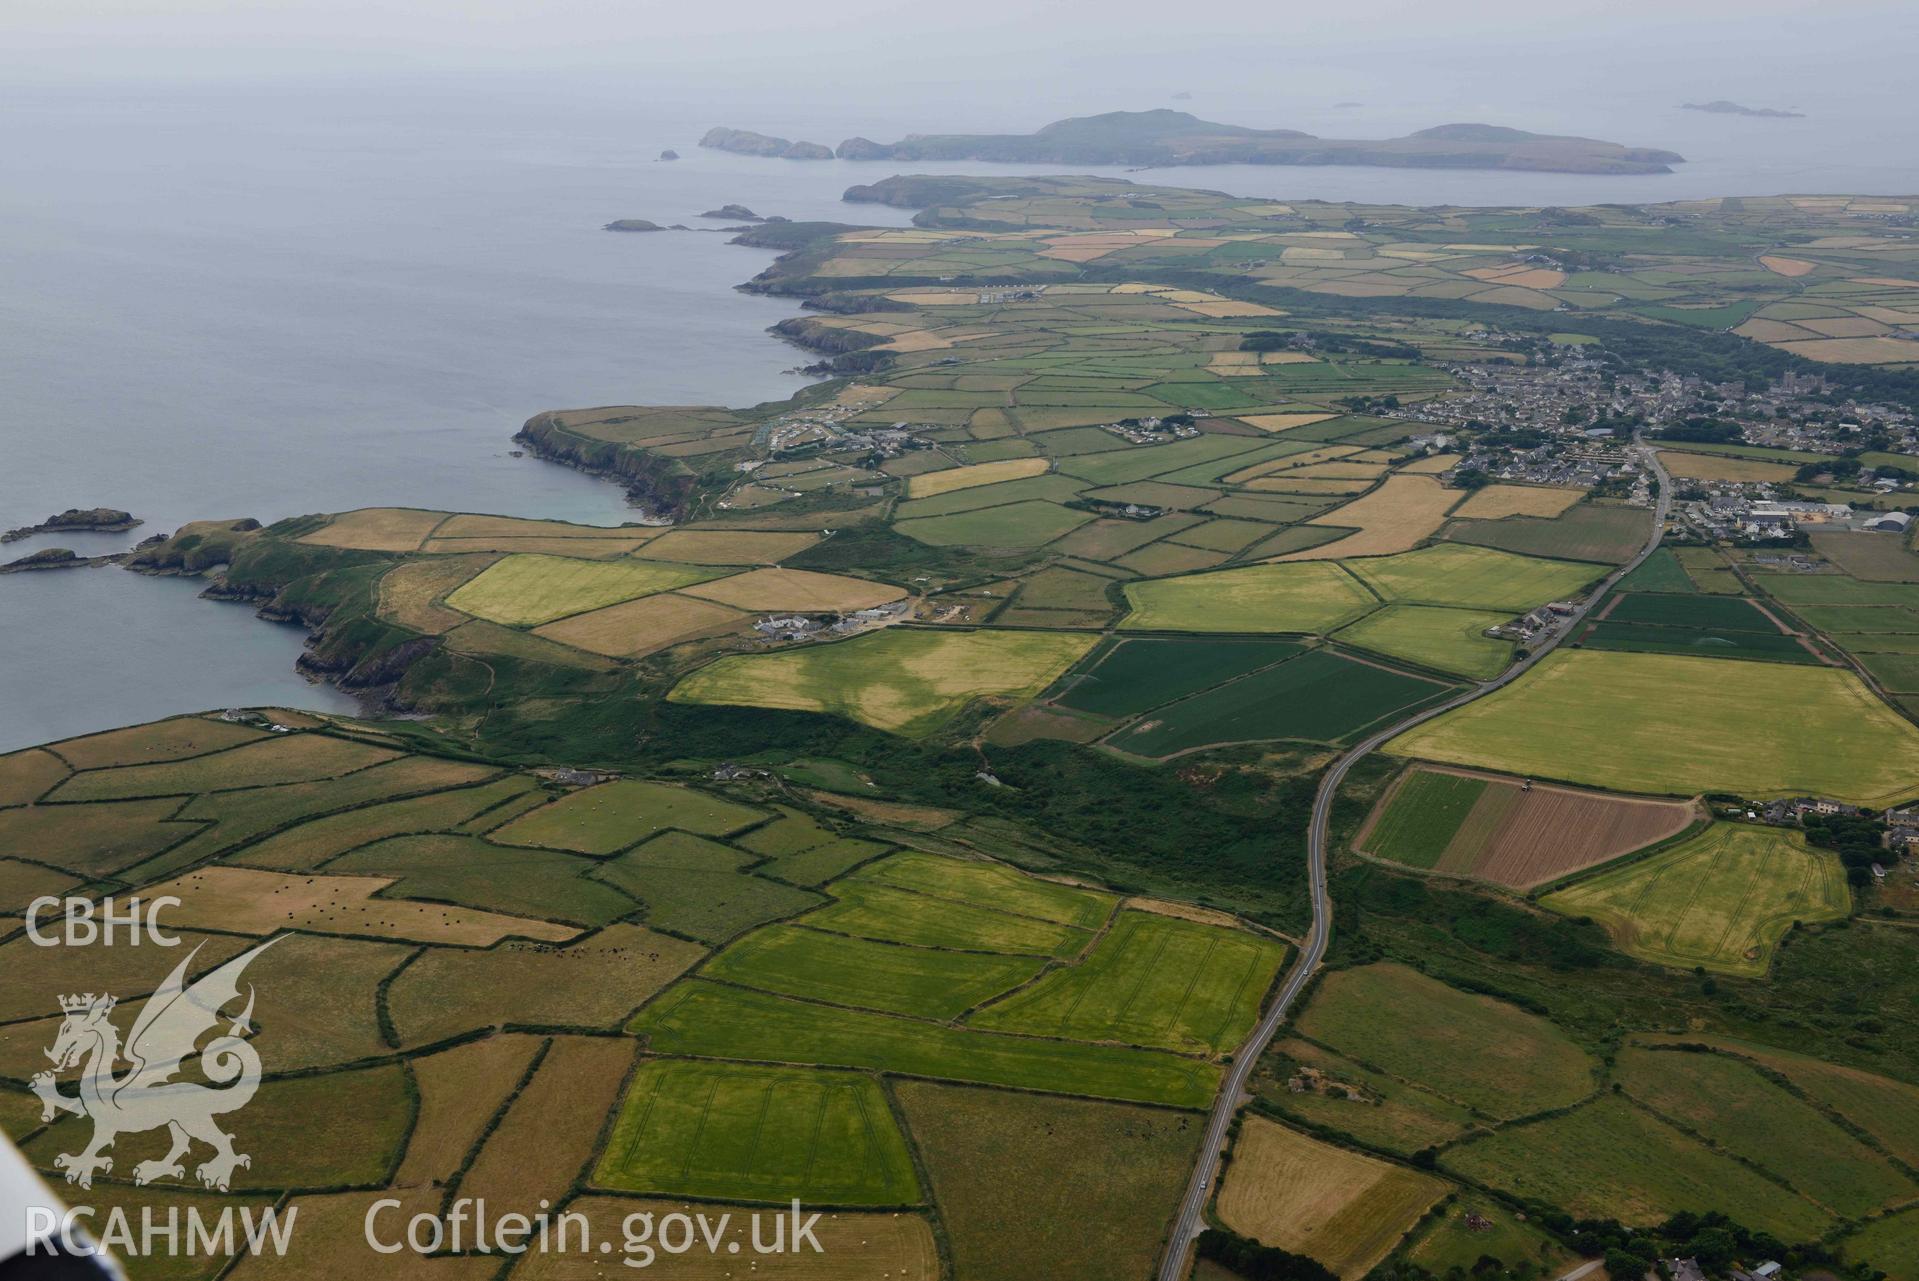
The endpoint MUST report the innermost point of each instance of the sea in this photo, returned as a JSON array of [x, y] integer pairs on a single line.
[[272, 299]]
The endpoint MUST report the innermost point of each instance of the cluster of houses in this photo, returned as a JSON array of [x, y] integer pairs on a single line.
[[804, 627], [1150, 431], [1733, 511], [1689, 1270], [1535, 624]]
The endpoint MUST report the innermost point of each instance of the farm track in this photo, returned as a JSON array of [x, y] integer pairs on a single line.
[[1175, 1263]]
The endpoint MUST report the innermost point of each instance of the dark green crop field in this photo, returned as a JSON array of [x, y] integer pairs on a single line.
[[1319, 697], [1141, 673], [1713, 613], [1644, 638]]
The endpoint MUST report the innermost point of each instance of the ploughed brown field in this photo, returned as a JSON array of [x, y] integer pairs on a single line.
[[1521, 839]]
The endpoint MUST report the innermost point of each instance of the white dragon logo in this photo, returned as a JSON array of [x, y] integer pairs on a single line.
[[146, 1097]]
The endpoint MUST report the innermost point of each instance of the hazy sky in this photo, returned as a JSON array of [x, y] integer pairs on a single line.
[[1787, 43]]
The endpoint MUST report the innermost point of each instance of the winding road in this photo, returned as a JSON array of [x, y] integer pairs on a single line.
[[1176, 1264]]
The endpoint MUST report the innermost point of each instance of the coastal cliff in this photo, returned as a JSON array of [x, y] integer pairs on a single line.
[[660, 484]]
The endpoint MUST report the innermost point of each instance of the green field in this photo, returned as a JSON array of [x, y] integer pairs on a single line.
[[1659, 572], [1890, 1244], [1144, 672], [1472, 577], [1837, 589], [1301, 596], [1422, 817], [1691, 611], [710, 1020], [744, 1132], [693, 887], [1318, 697], [470, 871], [1449, 640], [1396, 1115], [1610, 1160], [1151, 980], [925, 982], [1665, 724], [992, 885], [1448, 1243], [1031, 1187], [907, 680], [528, 589], [1722, 899], [612, 816], [1122, 466], [1736, 1108], [1884, 1108], [1022, 524], [1611, 535], [1477, 1051], [872, 910], [1642, 638]]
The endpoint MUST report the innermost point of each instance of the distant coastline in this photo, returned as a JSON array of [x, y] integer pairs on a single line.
[[1158, 138], [1721, 107]]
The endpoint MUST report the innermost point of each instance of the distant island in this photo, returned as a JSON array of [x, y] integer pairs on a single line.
[[1720, 107], [95, 520], [1166, 137], [633, 224], [748, 143]]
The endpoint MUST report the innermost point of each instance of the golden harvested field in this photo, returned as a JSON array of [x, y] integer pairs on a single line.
[[1292, 482], [411, 592], [1393, 518], [796, 591], [255, 902], [1283, 422], [1346, 1210], [729, 546], [1772, 331], [1786, 266], [1430, 465], [547, 1136], [1225, 308], [1855, 351], [1722, 467], [1496, 501], [460, 1090], [529, 589], [635, 628], [584, 548], [1234, 364], [927, 484], [377, 529], [471, 526], [854, 1246]]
